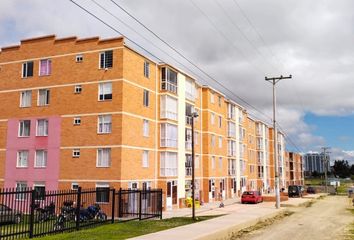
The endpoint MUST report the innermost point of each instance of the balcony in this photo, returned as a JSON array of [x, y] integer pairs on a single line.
[[169, 87]]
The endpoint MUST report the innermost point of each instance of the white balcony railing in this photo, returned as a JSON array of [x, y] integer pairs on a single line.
[[165, 85]]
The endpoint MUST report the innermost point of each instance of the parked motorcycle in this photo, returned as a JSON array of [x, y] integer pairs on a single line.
[[67, 214], [45, 213], [92, 212]]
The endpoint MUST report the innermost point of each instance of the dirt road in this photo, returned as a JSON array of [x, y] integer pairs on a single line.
[[325, 219]]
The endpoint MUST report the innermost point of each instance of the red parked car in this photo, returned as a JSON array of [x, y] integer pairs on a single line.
[[251, 197]]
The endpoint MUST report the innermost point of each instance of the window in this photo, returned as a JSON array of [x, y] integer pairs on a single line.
[[220, 162], [27, 69], [42, 127], [77, 121], [188, 139], [26, 98], [196, 161], [104, 91], [213, 140], [219, 101], [231, 129], [39, 189], [22, 158], [196, 137], [21, 186], [43, 97], [79, 58], [169, 135], [212, 97], [78, 89], [106, 59], [190, 90], [105, 124], [145, 160], [220, 142], [169, 80], [102, 192], [231, 111], [74, 186], [145, 128], [212, 118], [41, 159], [104, 157], [168, 164], [231, 148], [24, 128], [146, 98], [76, 153], [212, 162], [146, 69], [220, 121], [168, 107], [45, 67]]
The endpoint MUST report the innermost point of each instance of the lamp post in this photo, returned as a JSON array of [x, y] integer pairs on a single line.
[[193, 115]]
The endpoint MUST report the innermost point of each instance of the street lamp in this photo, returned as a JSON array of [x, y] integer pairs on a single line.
[[193, 115]]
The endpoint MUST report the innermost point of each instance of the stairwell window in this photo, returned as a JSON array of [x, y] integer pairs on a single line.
[[42, 127], [168, 164], [40, 159], [105, 124], [105, 91], [27, 69], [169, 135], [146, 69], [145, 160], [45, 67], [106, 59], [26, 98], [24, 128], [146, 98], [43, 97], [103, 157], [145, 128]]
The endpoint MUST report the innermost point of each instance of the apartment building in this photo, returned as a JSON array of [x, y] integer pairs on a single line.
[[294, 169], [96, 113], [314, 162]]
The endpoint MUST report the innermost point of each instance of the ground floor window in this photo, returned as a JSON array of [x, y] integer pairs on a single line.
[[39, 189], [102, 192], [20, 187]]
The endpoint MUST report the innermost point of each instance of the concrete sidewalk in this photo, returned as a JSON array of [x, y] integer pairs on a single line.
[[237, 216]]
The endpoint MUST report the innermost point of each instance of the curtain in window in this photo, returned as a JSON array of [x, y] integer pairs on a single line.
[[41, 158], [45, 67], [104, 157], [22, 160], [105, 124], [43, 98], [42, 127], [26, 98]]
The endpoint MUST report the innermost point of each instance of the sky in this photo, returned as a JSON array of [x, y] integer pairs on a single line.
[[237, 43]]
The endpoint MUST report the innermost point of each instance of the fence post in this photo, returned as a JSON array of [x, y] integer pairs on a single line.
[[120, 214], [31, 222], [78, 206], [160, 203], [113, 203], [140, 200]]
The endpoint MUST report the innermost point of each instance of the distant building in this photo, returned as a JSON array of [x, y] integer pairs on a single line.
[[294, 169], [315, 162]]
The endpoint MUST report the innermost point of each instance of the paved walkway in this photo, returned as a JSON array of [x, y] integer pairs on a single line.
[[237, 216]]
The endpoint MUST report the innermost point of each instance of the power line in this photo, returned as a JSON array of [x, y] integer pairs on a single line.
[[244, 35], [209, 76]]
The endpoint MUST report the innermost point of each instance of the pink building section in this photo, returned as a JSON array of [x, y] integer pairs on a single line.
[[48, 175]]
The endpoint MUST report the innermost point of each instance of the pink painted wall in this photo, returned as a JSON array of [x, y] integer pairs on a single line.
[[51, 143]]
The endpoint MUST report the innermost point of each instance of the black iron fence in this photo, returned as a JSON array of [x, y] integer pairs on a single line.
[[30, 213]]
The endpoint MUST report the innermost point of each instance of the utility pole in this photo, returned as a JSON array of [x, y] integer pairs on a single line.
[[325, 165], [193, 115], [275, 80]]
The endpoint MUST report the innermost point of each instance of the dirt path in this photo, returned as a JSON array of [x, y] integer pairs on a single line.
[[325, 219]]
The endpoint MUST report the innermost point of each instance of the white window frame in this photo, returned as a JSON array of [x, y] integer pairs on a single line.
[[75, 184], [44, 160], [24, 95], [146, 98], [19, 153], [146, 127], [105, 63], [49, 61], [25, 65], [220, 121], [212, 140], [212, 100], [46, 126], [220, 162], [172, 169], [197, 161], [77, 121], [109, 160], [23, 186], [165, 110], [168, 141], [220, 142], [78, 89], [47, 97], [76, 153], [21, 125], [104, 125], [212, 118], [145, 159], [102, 91], [79, 58], [213, 162]]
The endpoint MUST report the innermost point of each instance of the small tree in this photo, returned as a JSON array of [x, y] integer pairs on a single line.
[[341, 168]]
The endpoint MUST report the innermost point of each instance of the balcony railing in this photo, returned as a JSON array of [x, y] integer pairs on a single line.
[[169, 114], [188, 171], [165, 85], [167, 142], [168, 172]]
